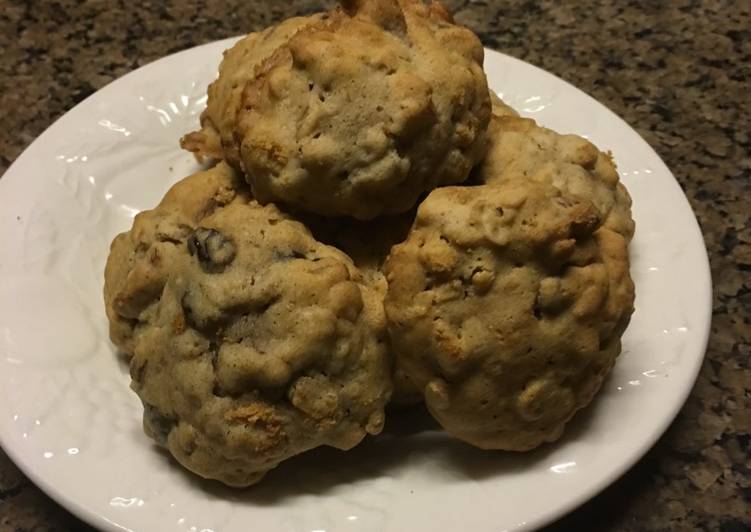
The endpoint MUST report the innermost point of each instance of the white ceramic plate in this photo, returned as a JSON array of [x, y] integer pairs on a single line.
[[68, 419]]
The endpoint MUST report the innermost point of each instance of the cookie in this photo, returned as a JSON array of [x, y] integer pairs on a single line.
[[358, 113], [250, 341], [215, 139], [519, 148], [506, 305]]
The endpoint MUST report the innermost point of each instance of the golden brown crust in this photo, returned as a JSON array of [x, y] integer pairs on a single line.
[[519, 148], [505, 308], [250, 341], [215, 139], [355, 112], [136, 269]]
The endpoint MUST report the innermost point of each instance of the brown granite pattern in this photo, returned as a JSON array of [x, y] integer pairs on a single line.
[[678, 71]]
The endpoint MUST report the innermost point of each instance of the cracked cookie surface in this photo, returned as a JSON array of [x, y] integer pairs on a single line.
[[356, 112], [521, 149], [249, 341], [506, 305]]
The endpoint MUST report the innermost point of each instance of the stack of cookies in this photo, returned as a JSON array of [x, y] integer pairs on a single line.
[[373, 226]]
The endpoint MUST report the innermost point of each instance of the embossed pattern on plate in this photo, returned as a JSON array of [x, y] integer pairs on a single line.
[[68, 419]]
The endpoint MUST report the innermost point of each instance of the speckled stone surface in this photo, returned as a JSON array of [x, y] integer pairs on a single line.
[[678, 71]]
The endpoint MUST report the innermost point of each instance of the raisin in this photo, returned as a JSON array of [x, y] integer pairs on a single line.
[[158, 423], [213, 249]]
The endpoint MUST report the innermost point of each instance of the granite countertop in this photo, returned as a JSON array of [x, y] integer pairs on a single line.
[[677, 71]]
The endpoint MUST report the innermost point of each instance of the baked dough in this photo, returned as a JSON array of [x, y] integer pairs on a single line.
[[357, 112], [250, 342], [506, 305], [519, 148]]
